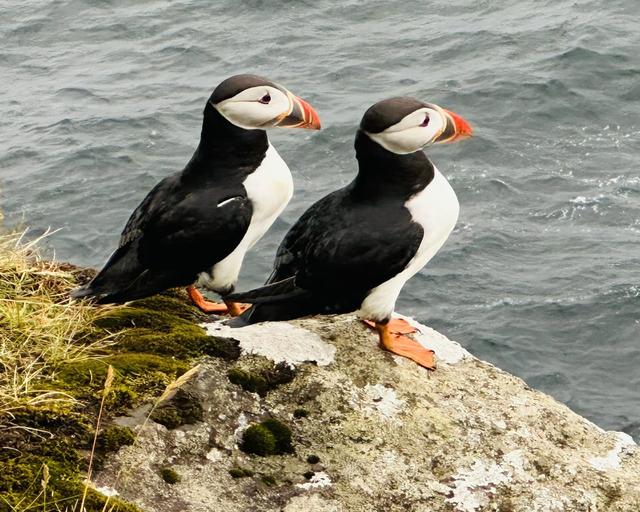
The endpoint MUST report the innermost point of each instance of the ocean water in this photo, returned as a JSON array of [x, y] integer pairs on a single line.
[[102, 98]]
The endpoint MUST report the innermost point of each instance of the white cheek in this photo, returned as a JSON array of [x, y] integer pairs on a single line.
[[405, 141], [251, 114], [248, 114], [408, 136]]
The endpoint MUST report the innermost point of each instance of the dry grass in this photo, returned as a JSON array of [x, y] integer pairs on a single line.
[[40, 327]]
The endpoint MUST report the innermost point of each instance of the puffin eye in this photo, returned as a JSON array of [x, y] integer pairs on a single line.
[[426, 121], [265, 99]]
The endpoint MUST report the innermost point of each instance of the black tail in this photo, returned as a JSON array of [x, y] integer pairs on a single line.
[[274, 312], [277, 301], [276, 292], [122, 279]]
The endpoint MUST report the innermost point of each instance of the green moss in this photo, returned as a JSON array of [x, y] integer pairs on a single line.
[[182, 342], [158, 332], [130, 317], [136, 377], [170, 476], [20, 482], [270, 437], [92, 372], [282, 434], [313, 459], [268, 480], [258, 440], [239, 472], [22, 466], [261, 380], [61, 420], [113, 437], [184, 408], [248, 381], [172, 305]]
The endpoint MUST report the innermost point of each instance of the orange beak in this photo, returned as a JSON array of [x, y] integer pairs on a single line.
[[302, 115], [456, 129]]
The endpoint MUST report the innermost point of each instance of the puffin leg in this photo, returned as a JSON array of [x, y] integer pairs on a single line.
[[236, 308], [395, 325], [204, 305], [226, 308], [404, 346]]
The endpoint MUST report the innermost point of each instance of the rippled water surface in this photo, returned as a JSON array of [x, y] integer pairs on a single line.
[[101, 99]]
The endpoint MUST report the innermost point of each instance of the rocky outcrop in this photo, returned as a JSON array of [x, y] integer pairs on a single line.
[[340, 425]]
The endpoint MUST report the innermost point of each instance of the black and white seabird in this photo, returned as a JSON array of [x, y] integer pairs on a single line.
[[357, 247], [198, 224]]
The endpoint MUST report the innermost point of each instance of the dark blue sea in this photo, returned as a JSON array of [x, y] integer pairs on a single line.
[[100, 99]]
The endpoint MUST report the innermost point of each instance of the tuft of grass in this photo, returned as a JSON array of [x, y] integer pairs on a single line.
[[40, 327], [68, 367]]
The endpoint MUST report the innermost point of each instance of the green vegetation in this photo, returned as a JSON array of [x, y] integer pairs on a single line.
[[270, 437], [170, 476], [239, 472], [313, 459], [268, 480], [262, 376], [182, 409], [67, 367]]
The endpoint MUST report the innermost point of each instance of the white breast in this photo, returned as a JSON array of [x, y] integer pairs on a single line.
[[269, 188], [436, 209]]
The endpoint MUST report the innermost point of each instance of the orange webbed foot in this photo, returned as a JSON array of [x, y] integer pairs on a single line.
[[395, 326], [205, 305], [236, 308], [393, 339]]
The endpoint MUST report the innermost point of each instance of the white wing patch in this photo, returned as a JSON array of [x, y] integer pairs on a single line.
[[227, 201], [269, 188]]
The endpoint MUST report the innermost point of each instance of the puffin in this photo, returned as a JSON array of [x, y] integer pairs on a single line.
[[195, 227], [355, 248]]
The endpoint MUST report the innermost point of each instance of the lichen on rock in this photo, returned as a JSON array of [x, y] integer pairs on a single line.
[[372, 431]]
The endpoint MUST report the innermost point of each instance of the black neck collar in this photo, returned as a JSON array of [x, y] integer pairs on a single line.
[[382, 173], [228, 145]]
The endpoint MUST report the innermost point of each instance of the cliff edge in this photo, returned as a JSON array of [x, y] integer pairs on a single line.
[[313, 416]]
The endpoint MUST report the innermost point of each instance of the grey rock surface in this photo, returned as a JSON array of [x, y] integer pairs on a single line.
[[373, 432]]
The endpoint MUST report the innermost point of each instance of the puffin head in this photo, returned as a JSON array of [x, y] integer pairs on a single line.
[[253, 102], [406, 125]]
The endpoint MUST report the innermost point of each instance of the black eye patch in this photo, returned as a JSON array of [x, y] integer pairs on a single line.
[[426, 121], [265, 99]]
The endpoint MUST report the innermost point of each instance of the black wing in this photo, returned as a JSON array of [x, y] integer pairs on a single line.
[[342, 243], [175, 233], [335, 254]]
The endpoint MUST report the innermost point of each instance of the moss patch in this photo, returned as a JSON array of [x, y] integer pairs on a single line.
[[170, 476], [268, 480], [184, 408], [313, 459], [159, 332], [137, 377], [262, 376], [113, 437], [270, 437], [23, 467], [175, 304], [239, 472]]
